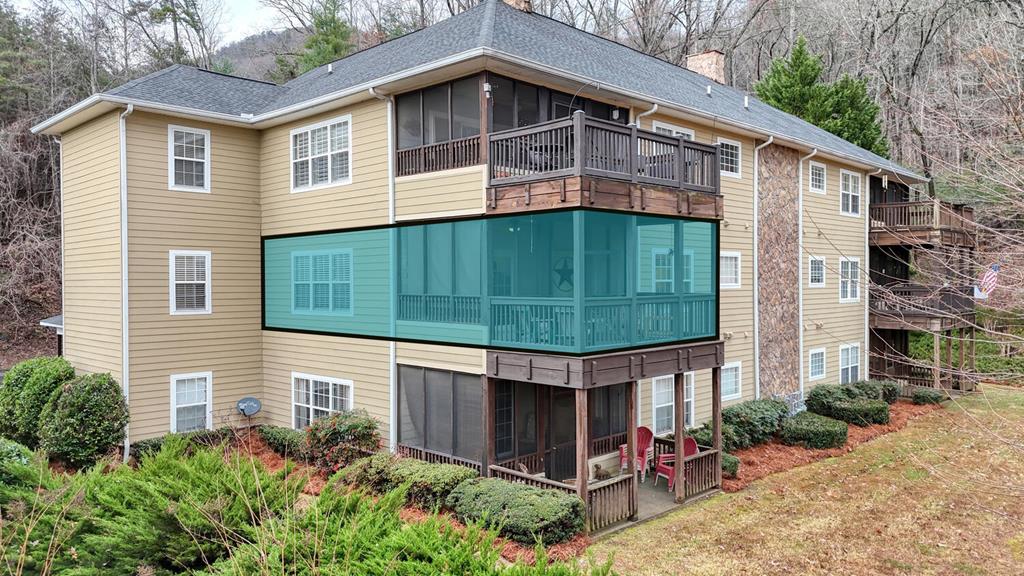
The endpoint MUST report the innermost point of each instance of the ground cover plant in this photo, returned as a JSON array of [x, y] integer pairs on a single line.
[[522, 513]]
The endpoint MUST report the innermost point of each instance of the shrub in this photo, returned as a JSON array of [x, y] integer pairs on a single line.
[[426, 485], [821, 399], [861, 411], [927, 396], [521, 513], [732, 438], [85, 419], [758, 420], [13, 383], [336, 441], [12, 453], [49, 374], [890, 390], [193, 440], [371, 472], [285, 441], [812, 430], [849, 403], [868, 389], [730, 465]]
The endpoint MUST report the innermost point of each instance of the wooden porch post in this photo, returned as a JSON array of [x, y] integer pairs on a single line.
[[679, 429], [631, 445], [936, 360], [962, 339], [974, 336], [582, 448], [716, 421], [488, 424], [949, 358]]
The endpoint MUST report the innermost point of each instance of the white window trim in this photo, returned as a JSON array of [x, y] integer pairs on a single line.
[[662, 251], [824, 364], [856, 356], [739, 158], [824, 180], [689, 383], [824, 272], [673, 127], [739, 270], [855, 261], [170, 160], [342, 381], [209, 281], [739, 380], [291, 160], [352, 282], [174, 397], [687, 271], [860, 193]]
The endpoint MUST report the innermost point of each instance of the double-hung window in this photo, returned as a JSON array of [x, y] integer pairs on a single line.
[[849, 193], [188, 159], [663, 270], [816, 272], [664, 399], [315, 397], [321, 154], [849, 280], [191, 401], [190, 282], [732, 380], [816, 364], [322, 282], [729, 263], [816, 177], [730, 155], [849, 363]]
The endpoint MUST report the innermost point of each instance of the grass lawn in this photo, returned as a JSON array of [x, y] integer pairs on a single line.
[[945, 495]]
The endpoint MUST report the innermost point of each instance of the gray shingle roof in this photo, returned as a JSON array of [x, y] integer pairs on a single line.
[[495, 26]]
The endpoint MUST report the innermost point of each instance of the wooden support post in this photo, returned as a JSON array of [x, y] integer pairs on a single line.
[[962, 341], [679, 429], [488, 425], [949, 358], [716, 421], [582, 449], [974, 340], [631, 446], [936, 360]]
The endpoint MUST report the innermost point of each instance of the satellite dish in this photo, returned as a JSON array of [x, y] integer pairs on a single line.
[[249, 406]]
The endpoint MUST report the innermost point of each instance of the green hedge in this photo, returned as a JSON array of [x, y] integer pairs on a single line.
[[927, 396], [733, 438], [13, 383], [287, 442], [812, 430], [85, 419], [338, 440], [521, 513], [730, 465], [757, 420], [427, 485], [891, 390], [862, 411], [192, 441], [851, 403], [47, 376]]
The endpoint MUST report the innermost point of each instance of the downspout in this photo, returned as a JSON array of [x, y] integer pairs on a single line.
[[60, 166], [866, 286], [123, 158], [800, 260], [392, 353], [757, 279], [636, 119]]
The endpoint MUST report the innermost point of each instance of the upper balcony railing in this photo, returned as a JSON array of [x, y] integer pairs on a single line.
[[916, 300], [585, 146], [440, 156], [926, 215]]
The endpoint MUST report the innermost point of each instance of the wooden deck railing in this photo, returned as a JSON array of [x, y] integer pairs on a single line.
[[437, 457], [700, 473], [893, 367], [530, 480], [610, 501], [927, 214], [918, 300], [580, 145], [439, 156], [439, 308]]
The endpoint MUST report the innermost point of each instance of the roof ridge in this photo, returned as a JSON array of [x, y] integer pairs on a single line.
[[486, 36], [226, 75], [143, 79]]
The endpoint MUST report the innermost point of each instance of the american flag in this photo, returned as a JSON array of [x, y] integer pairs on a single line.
[[987, 283]]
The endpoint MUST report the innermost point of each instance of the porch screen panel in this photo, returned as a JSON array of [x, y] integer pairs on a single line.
[[468, 412], [411, 407], [440, 410]]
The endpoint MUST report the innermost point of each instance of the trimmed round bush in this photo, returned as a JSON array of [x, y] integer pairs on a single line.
[[927, 396], [868, 389], [12, 453], [812, 430], [49, 374], [426, 485], [287, 442], [890, 390], [13, 383], [821, 399], [849, 404], [336, 441], [730, 465], [84, 420], [861, 411], [519, 512], [733, 438], [757, 420]]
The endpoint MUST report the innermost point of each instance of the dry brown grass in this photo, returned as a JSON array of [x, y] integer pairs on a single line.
[[945, 495]]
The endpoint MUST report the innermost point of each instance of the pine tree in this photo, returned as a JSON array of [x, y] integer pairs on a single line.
[[792, 85], [330, 39]]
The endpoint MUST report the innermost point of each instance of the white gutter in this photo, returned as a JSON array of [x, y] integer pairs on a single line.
[[123, 157], [800, 260], [757, 279]]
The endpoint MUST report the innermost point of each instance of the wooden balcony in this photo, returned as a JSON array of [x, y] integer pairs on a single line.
[[435, 157], [916, 374], [917, 307], [923, 223], [583, 161]]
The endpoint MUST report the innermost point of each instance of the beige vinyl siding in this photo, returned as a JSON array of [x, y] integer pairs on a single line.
[[832, 235], [92, 245], [459, 359], [457, 192], [361, 360], [363, 202], [224, 222]]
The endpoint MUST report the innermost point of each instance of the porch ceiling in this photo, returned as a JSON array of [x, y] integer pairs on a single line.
[[604, 369]]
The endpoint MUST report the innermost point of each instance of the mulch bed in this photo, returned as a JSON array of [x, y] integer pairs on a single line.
[[760, 461], [252, 444]]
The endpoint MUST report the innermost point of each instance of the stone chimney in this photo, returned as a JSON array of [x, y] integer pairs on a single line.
[[710, 64], [524, 5]]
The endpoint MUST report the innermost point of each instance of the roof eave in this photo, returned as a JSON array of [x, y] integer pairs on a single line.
[[99, 103]]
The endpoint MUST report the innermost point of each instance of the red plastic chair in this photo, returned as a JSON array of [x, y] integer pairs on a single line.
[[644, 452], [666, 465]]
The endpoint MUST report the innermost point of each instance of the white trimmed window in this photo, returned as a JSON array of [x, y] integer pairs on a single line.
[[315, 397], [663, 270], [687, 270], [672, 130], [321, 154], [188, 159], [191, 402], [849, 363], [816, 364], [816, 272], [730, 155], [664, 399], [729, 262], [849, 280], [849, 193], [322, 282], [732, 380], [190, 282], [817, 177]]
